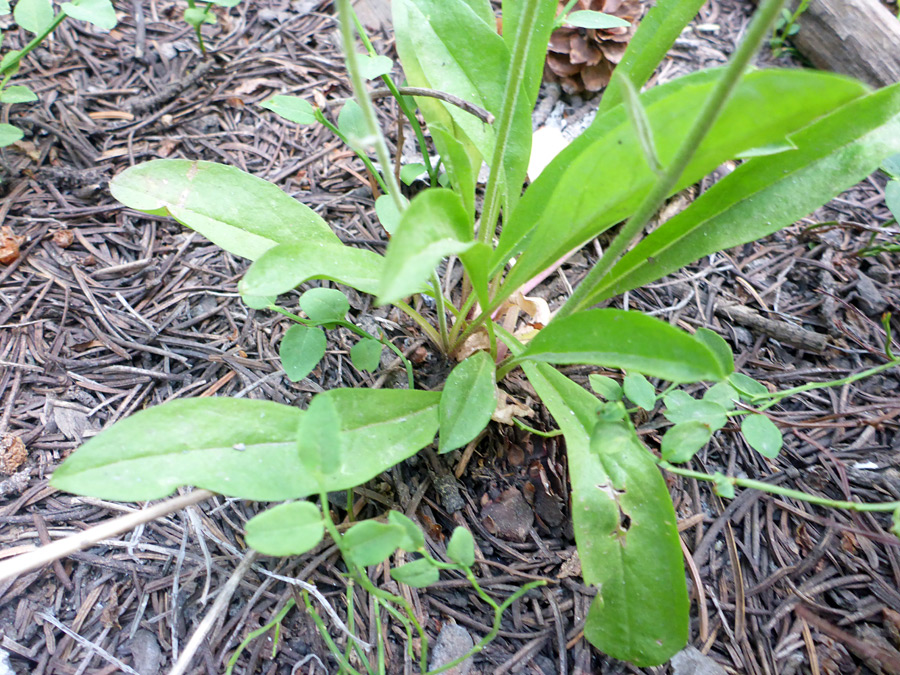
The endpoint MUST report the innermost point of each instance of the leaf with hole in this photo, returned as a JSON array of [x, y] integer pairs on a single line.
[[418, 573], [639, 391], [370, 542], [324, 305], [615, 338], [468, 401], [287, 529], [461, 547], [291, 108], [762, 435], [301, 349], [243, 214], [366, 355], [625, 528]]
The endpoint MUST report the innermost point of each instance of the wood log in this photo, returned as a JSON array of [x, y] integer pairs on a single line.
[[860, 38]]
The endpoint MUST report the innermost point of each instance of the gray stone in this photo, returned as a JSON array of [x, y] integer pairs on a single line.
[[871, 301], [691, 661], [145, 652], [452, 642]]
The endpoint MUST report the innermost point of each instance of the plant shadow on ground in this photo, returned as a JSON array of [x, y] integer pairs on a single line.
[[106, 313]]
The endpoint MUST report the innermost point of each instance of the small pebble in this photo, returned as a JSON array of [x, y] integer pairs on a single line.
[[871, 301], [452, 642], [145, 652]]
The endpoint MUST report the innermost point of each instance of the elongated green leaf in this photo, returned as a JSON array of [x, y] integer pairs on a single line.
[[461, 547], [320, 443], [98, 12], [468, 401], [768, 193], [301, 349], [639, 391], [243, 214], [625, 528], [286, 266], [598, 20], [762, 435], [370, 542], [619, 339], [9, 135], [17, 94], [601, 177], [291, 108], [286, 529], [33, 15], [245, 448], [463, 174], [433, 227]]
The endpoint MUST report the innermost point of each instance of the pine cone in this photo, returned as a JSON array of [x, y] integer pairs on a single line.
[[582, 59]]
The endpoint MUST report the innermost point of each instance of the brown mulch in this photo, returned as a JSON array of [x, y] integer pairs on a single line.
[[107, 312]]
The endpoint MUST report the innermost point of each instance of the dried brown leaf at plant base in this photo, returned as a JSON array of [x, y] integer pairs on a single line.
[[582, 59]]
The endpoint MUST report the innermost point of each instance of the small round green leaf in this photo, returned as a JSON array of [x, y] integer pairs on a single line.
[[747, 386], [410, 172], [324, 305], [197, 16], [723, 486], [762, 435], [366, 354], [468, 401], [461, 547], [684, 440], [98, 12], [387, 212], [33, 15], [418, 573], [606, 387], [723, 394], [587, 18], [9, 135], [258, 301], [302, 347], [639, 391], [414, 539], [291, 108], [17, 94], [370, 542], [287, 529], [374, 66], [709, 413], [352, 124]]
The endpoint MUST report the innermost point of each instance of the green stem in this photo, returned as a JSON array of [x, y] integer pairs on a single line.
[[35, 41], [441, 312], [711, 110], [326, 636], [408, 112], [426, 327], [345, 12], [279, 617], [784, 492], [772, 399], [521, 46], [320, 116], [461, 321]]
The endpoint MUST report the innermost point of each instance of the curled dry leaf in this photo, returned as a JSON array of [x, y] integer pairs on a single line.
[[12, 454], [9, 246], [582, 59], [63, 238], [508, 408]]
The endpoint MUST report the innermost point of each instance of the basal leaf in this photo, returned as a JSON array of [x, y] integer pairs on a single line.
[[892, 198], [433, 227], [468, 401], [766, 194], [324, 305], [243, 214], [245, 448], [625, 528], [301, 349], [286, 529], [33, 15], [601, 177], [619, 339], [17, 94], [286, 266], [762, 435], [98, 12], [291, 108]]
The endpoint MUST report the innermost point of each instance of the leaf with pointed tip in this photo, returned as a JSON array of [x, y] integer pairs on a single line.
[[301, 349], [418, 573], [324, 305], [597, 20], [370, 542], [468, 401], [291, 108], [461, 547], [366, 355], [639, 391], [9, 135], [17, 94], [97, 12], [243, 214]]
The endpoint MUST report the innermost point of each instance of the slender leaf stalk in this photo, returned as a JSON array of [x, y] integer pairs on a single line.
[[519, 58], [345, 12], [441, 312], [35, 41], [319, 115], [710, 112], [326, 636], [784, 492]]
